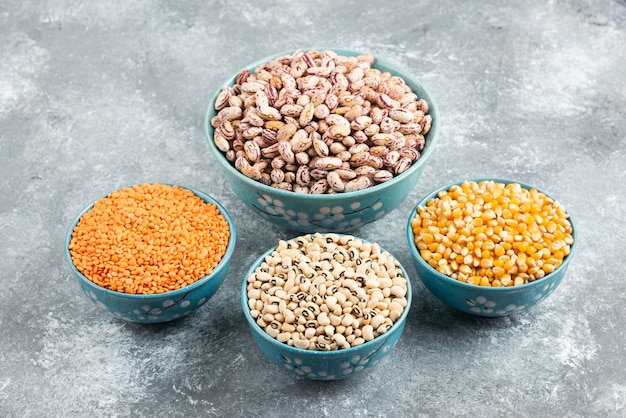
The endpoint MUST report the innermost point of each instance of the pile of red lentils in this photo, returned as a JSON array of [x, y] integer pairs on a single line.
[[148, 239], [493, 234]]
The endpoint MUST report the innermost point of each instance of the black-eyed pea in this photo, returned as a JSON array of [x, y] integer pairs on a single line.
[[340, 340], [382, 329], [395, 305], [255, 313], [254, 293], [302, 344], [386, 292], [372, 283], [261, 322], [347, 320], [367, 332], [376, 321], [329, 330], [331, 300], [377, 295], [290, 316], [398, 291], [337, 310], [272, 331], [399, 280], [395, 314], [323, 319], [335, 320], [341, 297], [271, 309], [309, 333]]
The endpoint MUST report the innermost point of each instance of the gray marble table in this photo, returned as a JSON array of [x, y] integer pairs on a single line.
[[95, 96]]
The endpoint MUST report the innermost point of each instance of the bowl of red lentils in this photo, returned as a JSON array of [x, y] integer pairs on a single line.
[[322, 140], [326, 306], [151, 253], [490, 247]]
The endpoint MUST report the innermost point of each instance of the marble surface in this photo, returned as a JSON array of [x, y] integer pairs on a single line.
[[95, 96]]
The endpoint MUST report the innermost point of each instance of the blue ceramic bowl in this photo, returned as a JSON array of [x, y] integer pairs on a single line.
[[162, 307], [339, 212], [325, 365], [480, 300]]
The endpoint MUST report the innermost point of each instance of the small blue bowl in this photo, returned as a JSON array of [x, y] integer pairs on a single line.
[[341, 212], [480, 300], [325, 365], [163, 307]]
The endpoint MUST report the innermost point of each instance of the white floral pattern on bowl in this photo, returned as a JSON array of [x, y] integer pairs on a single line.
[[327, 217]]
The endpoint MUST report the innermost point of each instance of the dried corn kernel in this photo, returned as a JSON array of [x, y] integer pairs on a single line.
[[149, 239], [503, 235]]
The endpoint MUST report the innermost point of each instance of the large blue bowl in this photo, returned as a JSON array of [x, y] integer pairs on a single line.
[[163, 307], [325, 365], [480, 300], [339, 212]]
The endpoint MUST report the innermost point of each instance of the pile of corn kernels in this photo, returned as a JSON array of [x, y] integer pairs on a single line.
[[492, 234]]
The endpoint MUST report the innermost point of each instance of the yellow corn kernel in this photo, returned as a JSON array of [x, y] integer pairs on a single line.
[[484, 281], [445, 269], [506, 280], [465, 269], [498, 271]]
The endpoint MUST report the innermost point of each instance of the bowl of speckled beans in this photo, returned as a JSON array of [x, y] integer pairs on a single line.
[[326, 306], [151, 253], [490, 247], [322, 140]]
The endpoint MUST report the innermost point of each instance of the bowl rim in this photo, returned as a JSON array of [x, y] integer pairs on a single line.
[[394, 68], [449, 280], [339, 353], [223, 263]]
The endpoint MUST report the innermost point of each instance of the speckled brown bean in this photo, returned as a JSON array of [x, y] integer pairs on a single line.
[[335, 181]]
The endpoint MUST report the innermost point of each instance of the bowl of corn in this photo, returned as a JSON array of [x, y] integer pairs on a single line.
[[326, 306], [322, 140], [151, 253], [490, 247]]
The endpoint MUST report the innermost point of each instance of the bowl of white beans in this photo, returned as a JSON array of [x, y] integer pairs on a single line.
[[322, 140], [326, 306]]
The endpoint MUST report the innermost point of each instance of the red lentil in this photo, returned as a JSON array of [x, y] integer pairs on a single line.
[[149, 238]]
